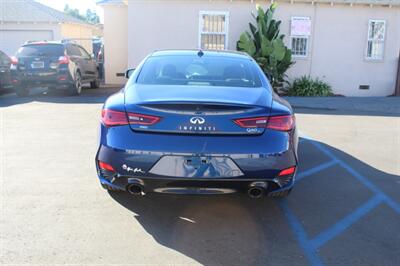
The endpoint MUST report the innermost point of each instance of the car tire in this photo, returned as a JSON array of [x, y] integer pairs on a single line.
[[22, 91], [76, 87], [96, 83], [282, 194]]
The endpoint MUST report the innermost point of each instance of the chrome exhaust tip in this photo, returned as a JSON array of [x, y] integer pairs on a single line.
[[136, 188], [257, 189]]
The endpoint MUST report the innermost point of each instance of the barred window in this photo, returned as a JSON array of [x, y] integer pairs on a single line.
[[299, 46], [213, 30], [376, 39]]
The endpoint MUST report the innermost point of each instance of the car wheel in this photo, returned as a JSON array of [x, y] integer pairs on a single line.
[[76, 88], [96, 83], [282, 194], [22, 91]]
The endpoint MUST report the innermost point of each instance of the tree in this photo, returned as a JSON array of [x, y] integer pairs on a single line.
[[91, 16], [265, 44]]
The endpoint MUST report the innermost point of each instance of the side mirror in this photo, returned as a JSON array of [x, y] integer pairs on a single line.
[[129, 72]]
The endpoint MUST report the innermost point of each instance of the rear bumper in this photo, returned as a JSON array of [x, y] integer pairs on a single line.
[[57, 79], [196, 164], [195, 186]]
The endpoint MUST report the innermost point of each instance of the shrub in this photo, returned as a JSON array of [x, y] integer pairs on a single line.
[[265, 44], [307, 86]]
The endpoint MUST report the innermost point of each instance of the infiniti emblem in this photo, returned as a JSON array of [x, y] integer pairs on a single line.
[[197, 120]]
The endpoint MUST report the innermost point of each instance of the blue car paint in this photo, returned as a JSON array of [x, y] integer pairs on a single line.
[[258, 157]]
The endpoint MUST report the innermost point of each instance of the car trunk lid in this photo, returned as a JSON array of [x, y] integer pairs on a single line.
[[196, 109]]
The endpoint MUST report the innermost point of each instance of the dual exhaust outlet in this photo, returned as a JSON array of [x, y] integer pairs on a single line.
[[256, 190], [136, 187]]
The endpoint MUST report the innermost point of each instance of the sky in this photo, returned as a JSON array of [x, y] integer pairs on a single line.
[[82, 5]]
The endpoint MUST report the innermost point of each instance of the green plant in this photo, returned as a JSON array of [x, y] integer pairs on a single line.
[[307, 86], [265, 44]]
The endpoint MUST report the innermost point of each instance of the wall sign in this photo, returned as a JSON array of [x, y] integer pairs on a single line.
[[300, 26]]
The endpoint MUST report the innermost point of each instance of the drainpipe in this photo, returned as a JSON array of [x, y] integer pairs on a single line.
[[397, 88], [312, 37]]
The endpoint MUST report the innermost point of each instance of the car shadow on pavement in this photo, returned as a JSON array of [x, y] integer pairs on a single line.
[[236, 230], [88, 96]]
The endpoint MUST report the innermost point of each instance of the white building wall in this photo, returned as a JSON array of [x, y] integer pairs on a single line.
[[337, 44], [115, 42]]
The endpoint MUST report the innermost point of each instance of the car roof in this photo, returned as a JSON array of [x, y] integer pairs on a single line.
[[224, 53], [43, 42]]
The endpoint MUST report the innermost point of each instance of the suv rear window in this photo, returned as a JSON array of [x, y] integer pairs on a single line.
[[41, 50], [195, 70]]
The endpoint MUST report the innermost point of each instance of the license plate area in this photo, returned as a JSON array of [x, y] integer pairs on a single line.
[[197, 162], [196, 167], [37, 64]]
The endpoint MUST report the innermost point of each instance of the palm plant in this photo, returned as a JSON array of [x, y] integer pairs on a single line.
[[265, 44]]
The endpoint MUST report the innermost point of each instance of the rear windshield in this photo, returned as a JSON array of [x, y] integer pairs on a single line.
[[41, 50], [4, 59], [195, 70]]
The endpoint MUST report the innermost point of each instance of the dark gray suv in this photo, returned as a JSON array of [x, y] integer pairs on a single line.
[[56, 65]]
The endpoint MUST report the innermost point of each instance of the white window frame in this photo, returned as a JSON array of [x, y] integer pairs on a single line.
[[375, 39], [215, 13], [307, 37]]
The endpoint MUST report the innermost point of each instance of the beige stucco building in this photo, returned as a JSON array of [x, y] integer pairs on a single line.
[[352, 45], [28, 20]]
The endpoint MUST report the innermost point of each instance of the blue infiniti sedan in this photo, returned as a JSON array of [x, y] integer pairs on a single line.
[[197, 122]]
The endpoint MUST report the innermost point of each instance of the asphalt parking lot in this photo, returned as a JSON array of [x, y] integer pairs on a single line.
[[345, 209]]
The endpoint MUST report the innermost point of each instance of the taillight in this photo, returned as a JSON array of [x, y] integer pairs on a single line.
[[281, 123], [99, 56], [106, 166], [139, 119], [112, 118], [252, 122], [287, 171], [63, 60], [14, 60], [117, 118]]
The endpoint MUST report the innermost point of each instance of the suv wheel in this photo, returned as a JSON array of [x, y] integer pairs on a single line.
[[22, 91], [95, 84], [76, 88]]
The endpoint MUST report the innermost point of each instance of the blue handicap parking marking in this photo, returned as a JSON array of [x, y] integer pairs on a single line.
[[311, 246], [315, 169], [346, 222]]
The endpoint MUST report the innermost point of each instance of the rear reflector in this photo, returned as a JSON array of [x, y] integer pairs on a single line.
[[112, 118], [281, 123], [287, 171], [106, 166]]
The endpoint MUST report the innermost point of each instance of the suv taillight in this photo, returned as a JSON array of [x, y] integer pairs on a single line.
[[281, 123], [14, 60], [112, 118], [63, 60]]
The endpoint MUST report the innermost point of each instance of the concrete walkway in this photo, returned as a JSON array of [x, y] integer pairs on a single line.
[[368, 105]]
